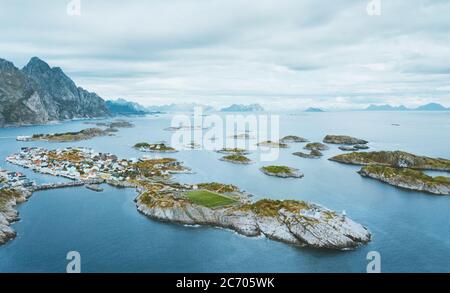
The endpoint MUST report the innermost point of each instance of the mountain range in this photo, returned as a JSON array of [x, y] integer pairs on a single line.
[[243, 108], [426, 107], [184, 107], [38, 93], [314, 110]]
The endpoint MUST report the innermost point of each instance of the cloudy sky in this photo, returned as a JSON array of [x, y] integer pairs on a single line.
[[280, 53]]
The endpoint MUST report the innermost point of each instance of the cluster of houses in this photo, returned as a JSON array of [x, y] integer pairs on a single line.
[[12, 179], [89, 165]]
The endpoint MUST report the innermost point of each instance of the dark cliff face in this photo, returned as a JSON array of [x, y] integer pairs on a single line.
[[39, 93]]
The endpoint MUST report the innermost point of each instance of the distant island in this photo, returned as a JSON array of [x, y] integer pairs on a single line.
[[426, 107], [243, 108], [314, 110], [127, 108], [38, 94], [184, 107], [85, 134]]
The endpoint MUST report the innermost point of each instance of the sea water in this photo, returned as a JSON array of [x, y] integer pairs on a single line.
[[411, 230]]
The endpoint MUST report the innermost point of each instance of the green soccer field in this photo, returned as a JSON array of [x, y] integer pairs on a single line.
[[209, 199]]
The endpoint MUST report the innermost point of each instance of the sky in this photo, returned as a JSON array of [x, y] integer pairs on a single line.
[[283, 54]]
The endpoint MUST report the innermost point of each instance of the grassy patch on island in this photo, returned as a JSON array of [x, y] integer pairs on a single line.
[[209, 199]]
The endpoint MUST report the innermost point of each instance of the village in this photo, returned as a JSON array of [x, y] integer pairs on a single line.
[[80, 163], [11, 180]]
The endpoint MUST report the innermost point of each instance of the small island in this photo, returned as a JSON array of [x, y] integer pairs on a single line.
[[316, 146], [193, 146], [236, 159], [353, 148], [118, 123], [281, 171], [85, 134], [233, 151], [241, 136], [154, 148], [397, 159], [293, 138], [344, 139], [272, 144], [408, 179], [313, 154]]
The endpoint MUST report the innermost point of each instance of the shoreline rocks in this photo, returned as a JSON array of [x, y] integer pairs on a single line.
[[408, 179], [9, 199]]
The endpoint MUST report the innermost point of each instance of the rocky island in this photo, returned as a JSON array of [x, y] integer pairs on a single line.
[[154, 148], [353, 148], [85, 134], [293, 138], [408, 179], [316, 146], [272, 144], [397, 159], [233, 151], [236, 159], [213, 204], [281, 171], [343, 139], [241, 136], [313, 154]]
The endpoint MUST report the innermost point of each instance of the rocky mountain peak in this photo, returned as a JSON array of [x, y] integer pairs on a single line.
[[36, 65], [6, 65], [39, 94]]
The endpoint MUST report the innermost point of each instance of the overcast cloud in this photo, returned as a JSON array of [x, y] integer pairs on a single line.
[[280, 53]]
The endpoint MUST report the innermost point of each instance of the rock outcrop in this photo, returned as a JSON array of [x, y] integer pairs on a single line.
[[397, 159], [8, 214], [408, 179], [39, 94], [343, 139]]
